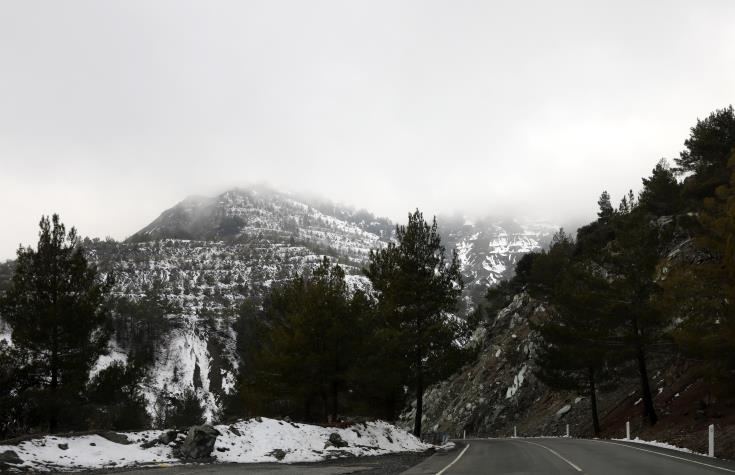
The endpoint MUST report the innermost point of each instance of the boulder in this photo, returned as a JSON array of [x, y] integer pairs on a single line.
[[167, 437], [336, 440], [8, 459], [63, 446], [115, 437], [199, 442], [279, 454]]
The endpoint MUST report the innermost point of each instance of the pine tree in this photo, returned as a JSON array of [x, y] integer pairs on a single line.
[[116, 398], [606, 209], [56, 308], [661, 194], [707, 151], [576, 354], [417, 288], [305, 346], [632, 259], [701, 295]]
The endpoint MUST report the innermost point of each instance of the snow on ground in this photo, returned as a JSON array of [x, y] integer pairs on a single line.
[[656, 443], [248, 441]]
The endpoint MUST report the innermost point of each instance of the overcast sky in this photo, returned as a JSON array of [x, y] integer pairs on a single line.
[[111, 112]]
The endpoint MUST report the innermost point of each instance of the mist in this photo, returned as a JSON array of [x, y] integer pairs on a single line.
[[112, 112]]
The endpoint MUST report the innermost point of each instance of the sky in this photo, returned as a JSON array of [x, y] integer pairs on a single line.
[[111, 112]]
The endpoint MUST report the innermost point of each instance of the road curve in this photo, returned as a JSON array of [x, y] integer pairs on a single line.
[[561, 456]]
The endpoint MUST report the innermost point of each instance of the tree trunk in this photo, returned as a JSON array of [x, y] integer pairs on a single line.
[[649, 412], [593, 402], [419, 404], [335, 400]]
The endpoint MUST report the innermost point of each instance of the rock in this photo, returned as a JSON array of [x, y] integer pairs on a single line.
[[148, 444], [278, 454], [64, 446], [167, 437], [199, 442], [336, 440], [235, 431], [8, 458], [115, 437], [93, 444]]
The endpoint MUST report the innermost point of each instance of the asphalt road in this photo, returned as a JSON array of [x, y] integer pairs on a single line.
[[392, 464], [566, 457]]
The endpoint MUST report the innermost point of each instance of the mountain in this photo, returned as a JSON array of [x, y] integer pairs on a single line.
[[206, 255], [489, 249]]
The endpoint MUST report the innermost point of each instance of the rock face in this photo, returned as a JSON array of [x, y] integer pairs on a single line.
[[499, 391], [489, 249], [199, 442]]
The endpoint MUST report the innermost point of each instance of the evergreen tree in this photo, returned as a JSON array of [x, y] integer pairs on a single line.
[[417, 289], [576, 354], [306, 346], [141, 324], [701, 295], [661, 194], [181, 411], [707, 151], [116, 398], [632, 260], [56, 308], [606, 209]]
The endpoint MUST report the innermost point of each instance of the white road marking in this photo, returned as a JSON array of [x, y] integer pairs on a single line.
[[555, 453], [453, 461], [670, 456]]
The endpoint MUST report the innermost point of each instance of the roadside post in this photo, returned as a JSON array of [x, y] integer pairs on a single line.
[[567, 430], [627, 430], [711, 451]]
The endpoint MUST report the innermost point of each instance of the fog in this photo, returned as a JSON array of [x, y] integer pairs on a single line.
[[111, 112]]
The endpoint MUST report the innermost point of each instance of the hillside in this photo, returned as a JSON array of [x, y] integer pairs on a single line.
[[206, 255]]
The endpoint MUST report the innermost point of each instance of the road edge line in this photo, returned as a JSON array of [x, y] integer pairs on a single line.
[[575, 467], [453, 461], [670, 456]]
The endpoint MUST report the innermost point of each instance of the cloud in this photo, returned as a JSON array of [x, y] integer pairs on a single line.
[[112, 112]]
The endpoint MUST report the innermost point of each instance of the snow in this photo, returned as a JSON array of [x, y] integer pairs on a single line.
[[517, 382], [561, 412], [114, 354], [248, 441], [662, 445]]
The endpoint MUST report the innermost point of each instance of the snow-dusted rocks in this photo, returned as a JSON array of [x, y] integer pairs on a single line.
[[255, 440]]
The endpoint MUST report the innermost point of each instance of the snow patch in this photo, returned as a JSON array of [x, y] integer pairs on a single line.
[[243, 442], [517, 382]]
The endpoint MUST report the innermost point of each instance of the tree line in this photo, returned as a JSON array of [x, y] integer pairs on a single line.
[[620, 296], [311, 349], [316, 350], [61, 316]]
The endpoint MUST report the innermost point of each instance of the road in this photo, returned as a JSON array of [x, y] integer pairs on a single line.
[[560, 456]]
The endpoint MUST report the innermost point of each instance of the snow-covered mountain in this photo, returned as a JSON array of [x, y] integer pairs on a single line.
[[489, 249], [206, 255]]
